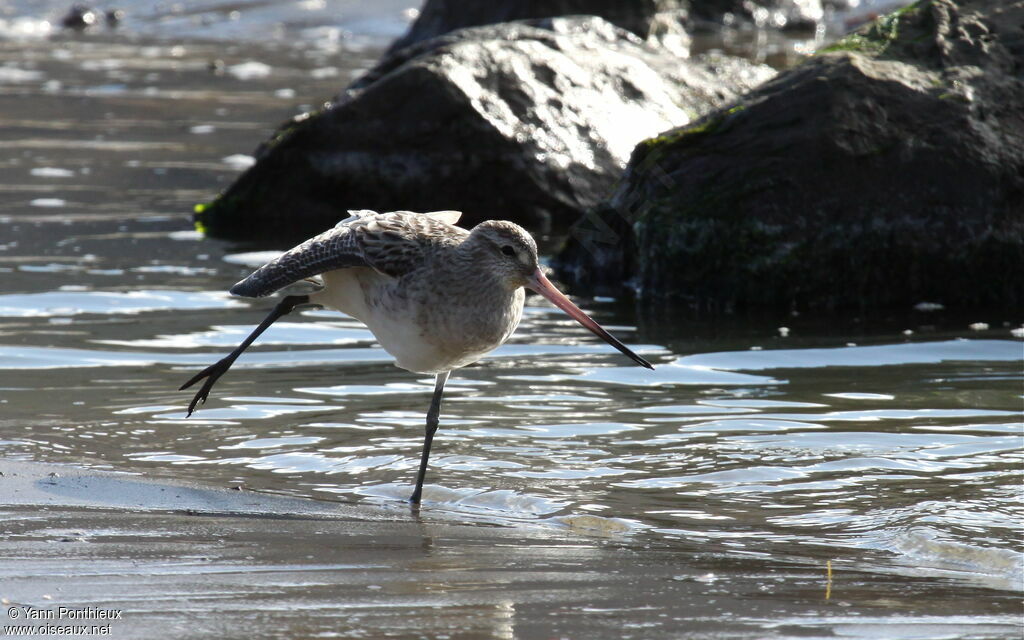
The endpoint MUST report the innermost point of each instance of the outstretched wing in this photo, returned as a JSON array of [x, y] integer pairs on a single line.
[[392, 243]]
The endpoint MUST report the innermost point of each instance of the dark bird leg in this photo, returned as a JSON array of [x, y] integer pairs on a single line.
[[213, 372], [432, 417]]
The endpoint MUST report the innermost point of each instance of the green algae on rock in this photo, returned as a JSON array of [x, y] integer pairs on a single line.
[[875, 175]]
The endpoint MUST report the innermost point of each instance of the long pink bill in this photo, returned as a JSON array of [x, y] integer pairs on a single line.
[[543, 286]]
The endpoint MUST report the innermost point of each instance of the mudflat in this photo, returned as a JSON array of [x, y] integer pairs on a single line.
[[167, 559], [570, 495]]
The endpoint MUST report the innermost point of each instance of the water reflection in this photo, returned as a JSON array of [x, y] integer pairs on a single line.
[[910, 448], [701, 448]]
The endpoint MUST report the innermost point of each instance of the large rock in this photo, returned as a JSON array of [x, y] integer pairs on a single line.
[[661, 22], [885, 172], [532, 122], [648, 19]]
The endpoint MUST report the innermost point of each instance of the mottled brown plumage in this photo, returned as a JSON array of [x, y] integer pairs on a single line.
[[436, 297], [392, 243]]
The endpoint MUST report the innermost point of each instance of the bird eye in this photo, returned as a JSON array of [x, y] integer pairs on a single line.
[[508, 250]]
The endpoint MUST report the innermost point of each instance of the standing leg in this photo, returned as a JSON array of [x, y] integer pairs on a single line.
[[432, 417], [219, 368]]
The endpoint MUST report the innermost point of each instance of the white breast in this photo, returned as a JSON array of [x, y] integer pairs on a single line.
[[421, 336]]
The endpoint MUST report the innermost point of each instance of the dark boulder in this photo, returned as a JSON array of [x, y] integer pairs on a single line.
[[531, 122], [80, 17], [884, 172], [663, 22], [648, 19]]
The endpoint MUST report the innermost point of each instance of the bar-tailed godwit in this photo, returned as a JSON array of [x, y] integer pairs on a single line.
[[437, 297]]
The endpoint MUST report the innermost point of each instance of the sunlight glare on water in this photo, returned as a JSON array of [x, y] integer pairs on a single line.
[[908, 447], [901, 455]]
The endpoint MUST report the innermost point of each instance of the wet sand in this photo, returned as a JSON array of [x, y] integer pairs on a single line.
[[180, 560], [740, 473]]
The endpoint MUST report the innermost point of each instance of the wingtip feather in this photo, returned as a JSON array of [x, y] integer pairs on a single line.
[[241, 289]]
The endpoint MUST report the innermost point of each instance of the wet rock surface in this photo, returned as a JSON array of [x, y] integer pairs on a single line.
[[644, 18], [885, 171], [663, 22], [527, 121]]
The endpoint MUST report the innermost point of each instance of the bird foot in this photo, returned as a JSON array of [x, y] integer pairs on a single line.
[[212, 373]]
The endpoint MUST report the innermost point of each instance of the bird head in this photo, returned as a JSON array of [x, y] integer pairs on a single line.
[[506, 251]]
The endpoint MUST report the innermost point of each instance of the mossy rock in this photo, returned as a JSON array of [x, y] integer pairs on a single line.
[[885, 171]]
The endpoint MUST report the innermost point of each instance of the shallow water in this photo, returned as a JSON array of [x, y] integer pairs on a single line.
[[882, 452]]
